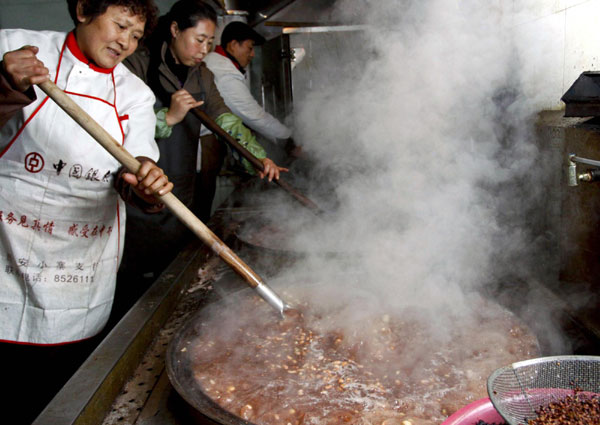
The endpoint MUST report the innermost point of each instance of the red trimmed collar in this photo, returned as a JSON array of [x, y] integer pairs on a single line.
[[74, 48], [219, 49]]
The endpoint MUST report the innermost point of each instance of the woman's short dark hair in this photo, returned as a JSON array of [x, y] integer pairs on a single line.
[[94, 8], [187, 14]]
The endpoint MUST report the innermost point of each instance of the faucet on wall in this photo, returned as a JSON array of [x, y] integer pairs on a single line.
[[588, 176]]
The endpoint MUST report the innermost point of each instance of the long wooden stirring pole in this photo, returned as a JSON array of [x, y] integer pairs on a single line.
[[177, 207], [256, 163]]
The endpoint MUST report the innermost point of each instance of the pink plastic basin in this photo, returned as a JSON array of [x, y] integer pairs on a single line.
[[480, 410]]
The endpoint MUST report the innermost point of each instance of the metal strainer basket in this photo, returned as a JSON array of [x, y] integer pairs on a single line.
[[518, 390]]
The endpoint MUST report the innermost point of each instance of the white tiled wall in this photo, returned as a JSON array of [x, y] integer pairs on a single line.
[[562, 39]]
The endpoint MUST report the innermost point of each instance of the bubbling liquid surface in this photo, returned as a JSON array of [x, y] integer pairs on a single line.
[[389, 370]]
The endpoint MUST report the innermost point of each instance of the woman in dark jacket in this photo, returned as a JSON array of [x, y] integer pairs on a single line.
[[171, 64]]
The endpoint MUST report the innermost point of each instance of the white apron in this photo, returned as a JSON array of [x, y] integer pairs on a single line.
[[60, 219]]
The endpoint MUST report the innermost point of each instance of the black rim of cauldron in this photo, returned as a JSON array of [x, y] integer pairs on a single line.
[[181, 375], [255, 222]]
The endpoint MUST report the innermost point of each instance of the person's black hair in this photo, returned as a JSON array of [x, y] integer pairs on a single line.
[[240, 32], [94, 8], [187, 14]]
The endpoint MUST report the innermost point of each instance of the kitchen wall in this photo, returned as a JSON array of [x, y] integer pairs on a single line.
[[567, 42], [567, 33], [44, 14]]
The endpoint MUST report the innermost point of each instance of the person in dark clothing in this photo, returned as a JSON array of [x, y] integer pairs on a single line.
[[171, 64]]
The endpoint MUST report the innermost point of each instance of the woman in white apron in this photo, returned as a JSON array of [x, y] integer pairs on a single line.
[[62, 222]]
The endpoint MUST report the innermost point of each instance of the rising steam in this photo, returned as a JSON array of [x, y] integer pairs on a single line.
[[421, 127]]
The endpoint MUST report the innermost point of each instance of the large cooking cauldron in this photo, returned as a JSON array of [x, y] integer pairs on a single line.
[[180, 370], [266, 235], [243, 314], [294, 236]]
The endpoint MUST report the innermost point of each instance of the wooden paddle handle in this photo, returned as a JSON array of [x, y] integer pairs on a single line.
[[177, 207], [256, 163]]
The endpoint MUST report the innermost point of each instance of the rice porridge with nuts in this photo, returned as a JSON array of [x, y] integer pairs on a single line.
[[389, 370]]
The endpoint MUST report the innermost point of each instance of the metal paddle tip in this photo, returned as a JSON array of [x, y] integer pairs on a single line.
[[291, 317], [291, 312]]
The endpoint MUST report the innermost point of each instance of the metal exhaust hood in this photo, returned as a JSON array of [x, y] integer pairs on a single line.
[[583, 97], [270, 17]]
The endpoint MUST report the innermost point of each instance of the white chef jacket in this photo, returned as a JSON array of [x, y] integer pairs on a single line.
[[62, 224], [235, 91]]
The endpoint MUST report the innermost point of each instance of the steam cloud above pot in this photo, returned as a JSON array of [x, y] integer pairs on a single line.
[[421, 124]]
